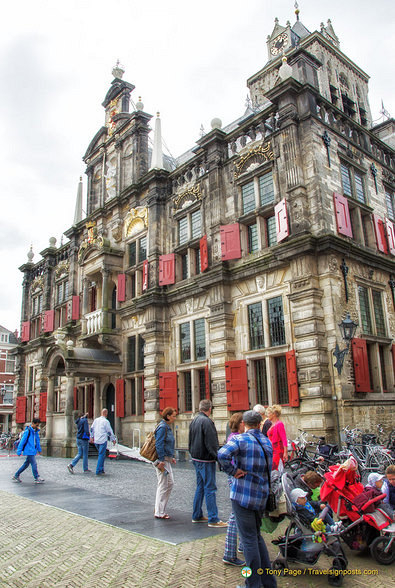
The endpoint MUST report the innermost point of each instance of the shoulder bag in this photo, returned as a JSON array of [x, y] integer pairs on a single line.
[[148, 450], [271, 503]]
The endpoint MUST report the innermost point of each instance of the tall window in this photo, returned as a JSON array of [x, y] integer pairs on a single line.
[[248, 197], [266, 189], [255, 321], [135, 353], [276, 321], [253, 244], [137, 251], [282, 380], [189, 227], [352, 181], [262, 396], [37, 304], [371, 312], [257, 192], [62, 291], [271, 233], [390, 201], [193, 341]]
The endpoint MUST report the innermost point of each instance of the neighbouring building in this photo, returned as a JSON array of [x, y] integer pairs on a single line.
[[8, 340], [224, 273]]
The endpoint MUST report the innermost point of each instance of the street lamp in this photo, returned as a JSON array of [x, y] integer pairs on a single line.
[[347, 329]]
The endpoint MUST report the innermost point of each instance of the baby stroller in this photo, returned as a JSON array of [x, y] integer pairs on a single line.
[[374, 530], [300, 544]]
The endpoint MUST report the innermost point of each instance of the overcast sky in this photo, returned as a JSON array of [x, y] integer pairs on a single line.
[[188, 60]]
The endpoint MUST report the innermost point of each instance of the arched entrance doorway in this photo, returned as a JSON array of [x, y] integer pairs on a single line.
[[110, 404]]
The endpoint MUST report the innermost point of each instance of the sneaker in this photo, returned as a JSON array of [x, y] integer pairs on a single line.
[[70, 468], [240, 550], [39, 481], [201, 520], [87, 471], [16, 479], [233, 562], [218, 525]]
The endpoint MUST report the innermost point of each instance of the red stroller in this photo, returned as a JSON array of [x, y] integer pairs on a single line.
[[362, 529]]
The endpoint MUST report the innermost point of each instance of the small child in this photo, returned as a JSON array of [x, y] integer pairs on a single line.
[[307, 511], [373, 489]]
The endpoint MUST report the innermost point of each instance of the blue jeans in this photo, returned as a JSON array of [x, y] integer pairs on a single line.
[[255, 550], [30, 460], [205, 488], [101, 448], [83, 448]]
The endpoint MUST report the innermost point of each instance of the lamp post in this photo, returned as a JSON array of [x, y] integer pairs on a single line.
[[347, 329]]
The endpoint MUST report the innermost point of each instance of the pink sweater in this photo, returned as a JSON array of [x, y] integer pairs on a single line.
[[277, 435]]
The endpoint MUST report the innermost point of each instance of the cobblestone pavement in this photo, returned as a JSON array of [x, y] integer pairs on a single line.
[[46, 547]]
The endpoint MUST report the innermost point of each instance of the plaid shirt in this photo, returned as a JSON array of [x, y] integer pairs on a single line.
[[252, 490]]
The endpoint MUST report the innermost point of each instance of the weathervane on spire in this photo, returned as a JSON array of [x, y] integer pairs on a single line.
[[297, 10]]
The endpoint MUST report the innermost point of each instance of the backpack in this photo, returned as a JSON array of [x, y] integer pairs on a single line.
[[148, 449]]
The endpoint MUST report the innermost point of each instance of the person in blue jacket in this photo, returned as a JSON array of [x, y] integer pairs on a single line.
[[165, 443], [30, 445], [83, 436]]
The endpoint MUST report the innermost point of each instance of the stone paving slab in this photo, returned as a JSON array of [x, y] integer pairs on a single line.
[[45, 547]]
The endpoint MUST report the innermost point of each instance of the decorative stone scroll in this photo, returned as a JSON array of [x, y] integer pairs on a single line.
[[37, 284], [187, 197], [136, 220], [62, 269], [261, 152], [92, 240]]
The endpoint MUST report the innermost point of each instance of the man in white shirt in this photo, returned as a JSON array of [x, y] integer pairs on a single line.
[[101, 432]]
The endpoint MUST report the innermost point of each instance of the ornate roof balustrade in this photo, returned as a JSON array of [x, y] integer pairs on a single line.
[[255, 132]]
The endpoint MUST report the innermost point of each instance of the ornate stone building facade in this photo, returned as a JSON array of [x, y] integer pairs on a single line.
[[225, 273]]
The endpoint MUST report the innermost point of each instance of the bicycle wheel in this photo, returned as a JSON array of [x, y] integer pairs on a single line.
[[379, 461], [378, 550]]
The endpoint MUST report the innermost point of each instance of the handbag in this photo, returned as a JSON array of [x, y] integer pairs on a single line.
[[271, 503], [148, 450]]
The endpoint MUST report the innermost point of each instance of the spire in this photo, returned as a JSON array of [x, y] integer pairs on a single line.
[[157, 154], [297, 11], [78, 204]]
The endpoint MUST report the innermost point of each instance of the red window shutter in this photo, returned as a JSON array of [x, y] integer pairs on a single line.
[[120, 398], [91, 389], [207, 382], [75, 404], [75, 308], [237, 385], [167, 274], [145, 275], [20, 414], [281, 216], [121, 289], [49, 321], [342, 213], [203, 254], [25, 335], [292, 376], [379, 230], [230, 242], [390, 235], [168, 393], [43, 407], [361, 365]]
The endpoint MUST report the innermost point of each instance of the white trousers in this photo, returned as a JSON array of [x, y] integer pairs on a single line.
[[165, 486]]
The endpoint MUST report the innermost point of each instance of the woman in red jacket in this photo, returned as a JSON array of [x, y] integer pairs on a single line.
[[277, 436]]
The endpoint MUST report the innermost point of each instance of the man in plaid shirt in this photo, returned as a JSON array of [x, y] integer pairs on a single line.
[[252, 454]]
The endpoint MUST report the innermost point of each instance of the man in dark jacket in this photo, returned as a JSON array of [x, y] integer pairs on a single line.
[[83, 435], [203, 447], [29, 445]]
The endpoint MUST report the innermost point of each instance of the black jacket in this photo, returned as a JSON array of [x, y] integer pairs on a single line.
[[82, 427], [203, 438]]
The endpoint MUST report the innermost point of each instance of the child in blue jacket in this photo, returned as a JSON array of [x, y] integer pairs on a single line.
[[29, 445]]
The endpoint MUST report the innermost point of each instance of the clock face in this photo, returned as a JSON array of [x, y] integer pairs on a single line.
[[279, 43]]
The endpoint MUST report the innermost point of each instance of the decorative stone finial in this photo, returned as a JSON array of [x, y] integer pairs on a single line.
[[30, 254], [139, 104], [118, 70], [276, 20], [285, 70], [52, 241], [69, 345], [216, 123]]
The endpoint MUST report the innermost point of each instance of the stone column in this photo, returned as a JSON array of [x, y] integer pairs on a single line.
[[104, 302], [50, 407], [97, 399], [68, 412]]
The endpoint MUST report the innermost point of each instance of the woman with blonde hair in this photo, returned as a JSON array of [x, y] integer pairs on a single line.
[[277, 436], [165, 443]]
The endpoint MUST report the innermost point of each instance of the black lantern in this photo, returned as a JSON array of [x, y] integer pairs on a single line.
[[347, 329]]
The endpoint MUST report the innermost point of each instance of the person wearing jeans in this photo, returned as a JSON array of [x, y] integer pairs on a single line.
[[29, 445], [82, 444], [203, 447], [248, 458], [101, 430]]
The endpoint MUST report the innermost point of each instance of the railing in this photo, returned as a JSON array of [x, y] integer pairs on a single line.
[[94, 322]]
